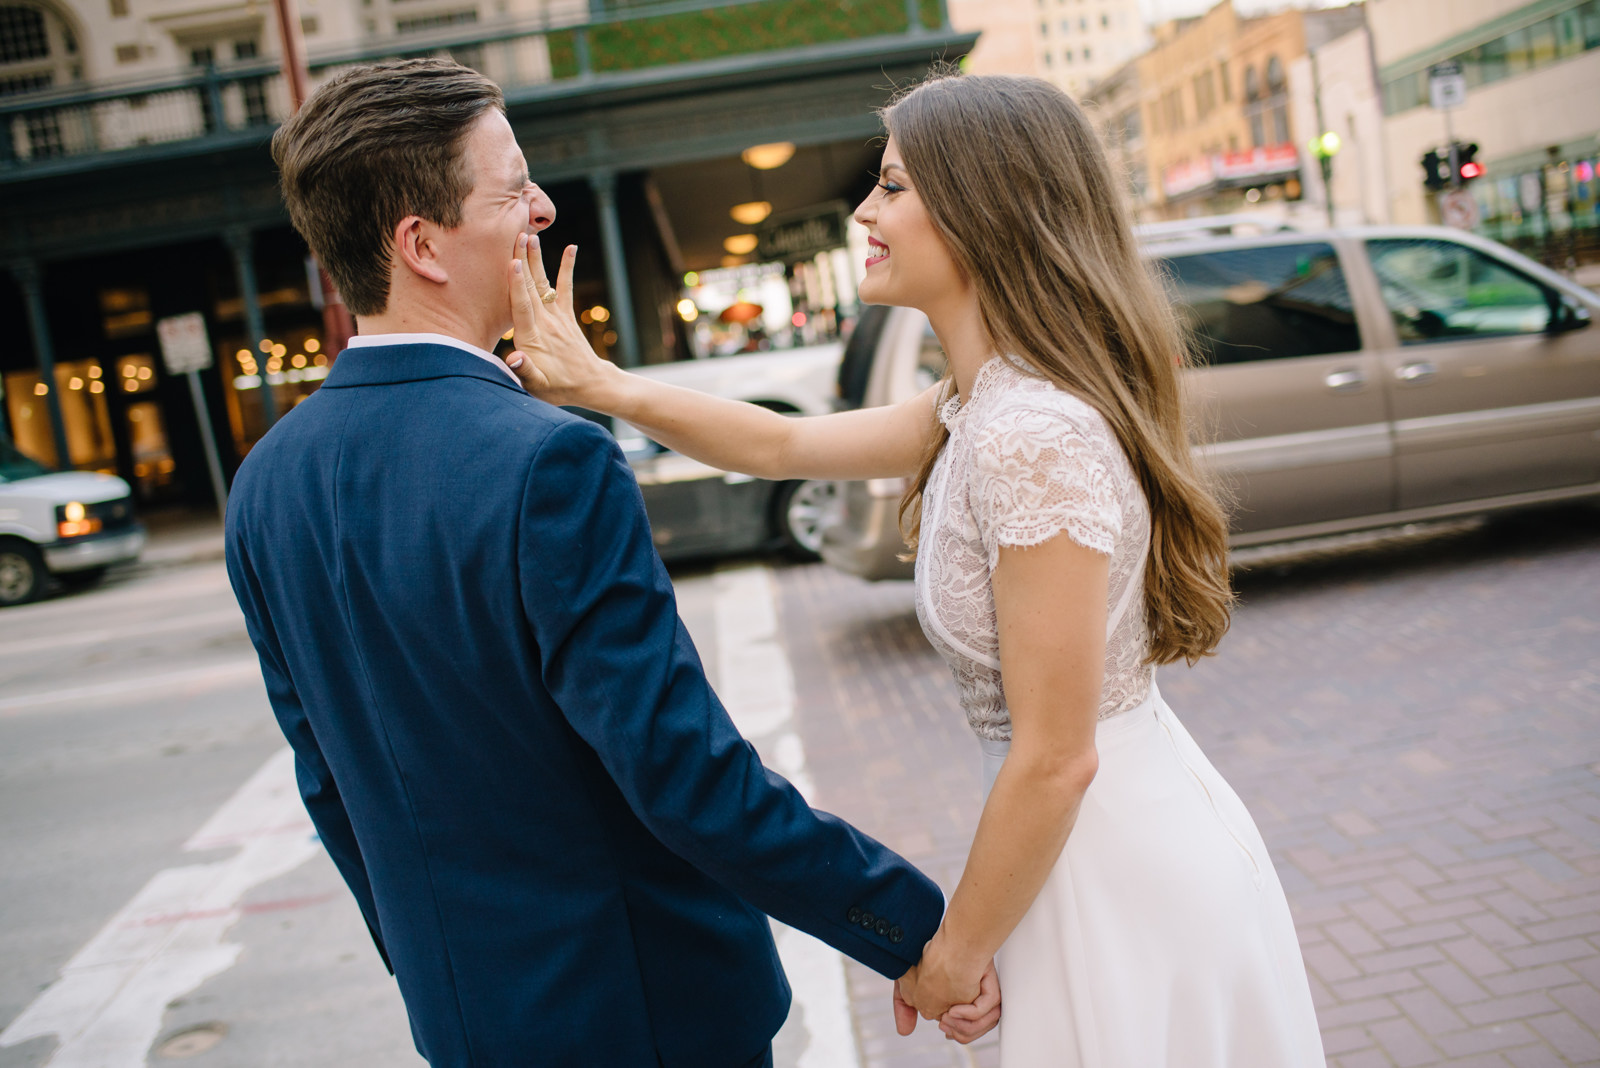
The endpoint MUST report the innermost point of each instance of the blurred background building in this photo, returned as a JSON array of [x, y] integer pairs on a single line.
[[1219, 130], [1080, 43], [1532, 78], [703, 154]]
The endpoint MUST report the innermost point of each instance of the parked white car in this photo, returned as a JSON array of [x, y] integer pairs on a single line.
[[698, 511], [70, 525]]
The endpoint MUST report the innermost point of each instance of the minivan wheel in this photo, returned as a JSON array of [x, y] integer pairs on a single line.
[[22, 574], [801, 507]]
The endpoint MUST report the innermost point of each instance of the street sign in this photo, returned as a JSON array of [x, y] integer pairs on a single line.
[[1447, 87], [185, 346], [1459, 208], [186, 350]]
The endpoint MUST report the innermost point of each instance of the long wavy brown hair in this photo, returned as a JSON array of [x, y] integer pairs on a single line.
[[1014, 178]]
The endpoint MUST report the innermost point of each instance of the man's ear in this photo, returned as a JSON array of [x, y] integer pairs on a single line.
[[414, 247]]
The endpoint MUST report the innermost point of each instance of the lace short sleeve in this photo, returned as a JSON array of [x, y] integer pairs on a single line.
[[1045, 468]]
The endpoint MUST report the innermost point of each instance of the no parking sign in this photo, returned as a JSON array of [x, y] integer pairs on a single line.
[[185, 346]]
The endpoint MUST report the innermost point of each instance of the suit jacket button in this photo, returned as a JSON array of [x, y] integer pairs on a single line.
[[883, 928], [896, 935], [854, 915], [867, 920]]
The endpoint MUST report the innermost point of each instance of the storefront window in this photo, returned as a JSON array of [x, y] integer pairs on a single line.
[[292, 366], [80, 387], [151, 453]]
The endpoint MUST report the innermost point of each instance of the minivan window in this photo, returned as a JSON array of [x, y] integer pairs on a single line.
[[16, 465], [1264, 302], [855, 368], [1442, 291]]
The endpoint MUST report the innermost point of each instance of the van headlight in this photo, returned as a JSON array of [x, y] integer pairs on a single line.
[[73, 520]]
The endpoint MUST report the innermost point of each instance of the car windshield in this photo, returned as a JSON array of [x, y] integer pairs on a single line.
[[15, 466]]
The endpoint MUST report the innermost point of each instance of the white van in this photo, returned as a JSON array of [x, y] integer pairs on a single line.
[[68, 524]]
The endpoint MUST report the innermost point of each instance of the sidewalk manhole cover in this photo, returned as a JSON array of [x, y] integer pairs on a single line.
[[192, 1041]]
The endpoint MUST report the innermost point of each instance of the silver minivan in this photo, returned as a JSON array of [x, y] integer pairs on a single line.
[[1345, 379]]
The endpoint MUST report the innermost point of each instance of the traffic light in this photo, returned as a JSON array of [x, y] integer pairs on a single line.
[[1467, 168], [1435, 170]]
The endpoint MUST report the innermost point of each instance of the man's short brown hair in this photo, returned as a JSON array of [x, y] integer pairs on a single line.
[[372, 146]]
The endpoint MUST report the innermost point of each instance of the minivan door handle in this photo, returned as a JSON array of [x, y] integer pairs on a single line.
[[1345, 381], [1420, 371]]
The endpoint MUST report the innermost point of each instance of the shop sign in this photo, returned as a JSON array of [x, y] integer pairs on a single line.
[[185, 346], [1258, 164], [801, 235], [1186, 177], [1250, 167]]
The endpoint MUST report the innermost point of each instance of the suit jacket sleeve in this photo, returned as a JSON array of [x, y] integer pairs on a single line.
[[616, 658], [317, 789]]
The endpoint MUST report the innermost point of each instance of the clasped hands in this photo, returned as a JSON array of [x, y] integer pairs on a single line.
[[966, 1006]]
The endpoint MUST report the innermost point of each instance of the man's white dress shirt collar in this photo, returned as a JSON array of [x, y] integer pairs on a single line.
[[365, 341]]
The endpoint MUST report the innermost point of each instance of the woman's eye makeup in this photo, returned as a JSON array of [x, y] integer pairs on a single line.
[[887, 185]]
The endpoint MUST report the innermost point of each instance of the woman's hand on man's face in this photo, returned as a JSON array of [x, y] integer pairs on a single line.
[[553, 359]]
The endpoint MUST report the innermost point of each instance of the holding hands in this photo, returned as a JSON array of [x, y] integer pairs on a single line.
[[966, 1007]]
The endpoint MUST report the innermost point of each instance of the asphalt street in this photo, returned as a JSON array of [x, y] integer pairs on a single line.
[[1415, 723]]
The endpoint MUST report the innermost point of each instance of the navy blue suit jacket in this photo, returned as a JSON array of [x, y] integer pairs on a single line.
[[507, 742]]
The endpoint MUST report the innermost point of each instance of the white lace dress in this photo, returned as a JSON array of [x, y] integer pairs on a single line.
[[1162, 938]]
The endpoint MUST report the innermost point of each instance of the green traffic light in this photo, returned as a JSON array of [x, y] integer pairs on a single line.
[[1325, 146]]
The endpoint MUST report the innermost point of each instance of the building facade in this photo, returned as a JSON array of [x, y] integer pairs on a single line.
[[1219, 128], [1008, 41], [1115, 103], [136, 185], [1532, 75], [1082, 41], [1333, 89]]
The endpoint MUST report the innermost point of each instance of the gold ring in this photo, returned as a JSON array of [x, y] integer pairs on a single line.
[[548, 296]]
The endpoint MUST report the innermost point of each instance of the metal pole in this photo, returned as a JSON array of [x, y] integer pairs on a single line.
[[27, 273], [293, 59], [337, 325], [1322, 156], [604, 185], [208, 437], [244, 268]]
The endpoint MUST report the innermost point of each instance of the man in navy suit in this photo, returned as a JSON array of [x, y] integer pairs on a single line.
[[560, 842]]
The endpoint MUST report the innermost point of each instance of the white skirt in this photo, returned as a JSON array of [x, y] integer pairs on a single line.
[[1162, 938]]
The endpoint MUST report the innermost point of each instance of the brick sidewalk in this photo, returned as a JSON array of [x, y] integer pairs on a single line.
[[1415, 731]]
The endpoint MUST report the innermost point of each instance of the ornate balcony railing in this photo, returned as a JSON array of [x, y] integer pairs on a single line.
[[571, 45]]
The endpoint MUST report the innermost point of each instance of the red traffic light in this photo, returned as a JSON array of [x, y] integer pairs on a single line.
[[1471, 170]]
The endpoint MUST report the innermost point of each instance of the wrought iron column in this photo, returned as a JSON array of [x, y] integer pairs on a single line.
[[27, 274], [604, 185], [242, 246]]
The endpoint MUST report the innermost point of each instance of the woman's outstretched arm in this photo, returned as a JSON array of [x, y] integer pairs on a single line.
[[554, 361]]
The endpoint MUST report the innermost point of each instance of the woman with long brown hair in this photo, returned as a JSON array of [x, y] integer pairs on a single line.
[[1066, 545]]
